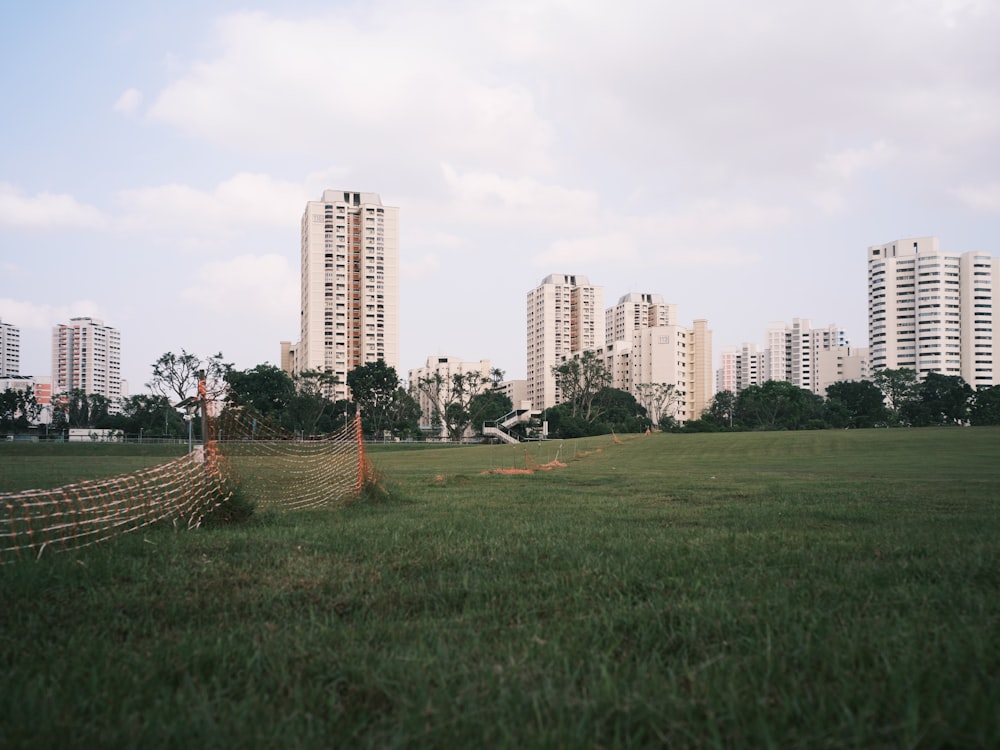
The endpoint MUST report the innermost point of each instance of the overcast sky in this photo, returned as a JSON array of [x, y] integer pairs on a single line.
[[737, 158]]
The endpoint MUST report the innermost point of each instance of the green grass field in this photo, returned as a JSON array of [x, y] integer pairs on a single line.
[[801, 589]]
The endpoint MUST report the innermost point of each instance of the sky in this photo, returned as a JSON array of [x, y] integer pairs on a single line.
[[736, 158]]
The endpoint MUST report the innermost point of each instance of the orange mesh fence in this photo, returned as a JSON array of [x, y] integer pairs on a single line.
[[267, 466], [277, 469], [85, 513]]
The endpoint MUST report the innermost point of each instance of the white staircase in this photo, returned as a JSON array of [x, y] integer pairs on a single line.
[[500, 428]]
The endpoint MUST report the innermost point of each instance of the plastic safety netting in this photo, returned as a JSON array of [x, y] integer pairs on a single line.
[[244, 454]]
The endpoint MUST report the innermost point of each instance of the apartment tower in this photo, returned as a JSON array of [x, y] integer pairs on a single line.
[[932, 311], [564, 319], [792, 353], [350, 286], [86, 356], [10, 350], [636, 311], [739, 367]]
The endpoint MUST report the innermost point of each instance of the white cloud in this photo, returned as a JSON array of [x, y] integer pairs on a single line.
[[985, 198], [248, 287], [386, 85], [420, 269], [41, 318], [46, 211], [611, 249], [850, 162], [129, 101], [724, 256], [244, 199], [488, 197], [708, 218]]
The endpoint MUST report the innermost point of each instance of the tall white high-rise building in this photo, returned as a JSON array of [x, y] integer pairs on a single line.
[[565, 317], [932, 311], [10, 349], [646, 345], [635, 311], [350, 286], [86, 356]]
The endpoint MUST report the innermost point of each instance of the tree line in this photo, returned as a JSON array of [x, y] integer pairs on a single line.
[[460, 403], [893, 398]]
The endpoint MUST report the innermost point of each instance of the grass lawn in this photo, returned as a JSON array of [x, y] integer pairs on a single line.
[[815, 589]]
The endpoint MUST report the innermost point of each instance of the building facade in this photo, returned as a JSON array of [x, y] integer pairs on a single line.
[[739, 367], [350, 287], [635, 311], [86, 356], [840, 363], [933, 311], [646, 345], [565, 318], [793, 350], [10, 350], [677, 355]]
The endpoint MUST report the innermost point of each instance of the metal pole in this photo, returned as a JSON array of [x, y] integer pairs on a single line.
[[203, 402]]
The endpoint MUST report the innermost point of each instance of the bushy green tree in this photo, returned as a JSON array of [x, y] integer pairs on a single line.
[[778, 405], [985, 407], [404, 415], [855, 403], [488, 406], [150, 414], [939, 400], [79, 409], [375, 387], [720, 414], [899, 387], [18, 409], [620, 411], [309, 411], [266, 389]]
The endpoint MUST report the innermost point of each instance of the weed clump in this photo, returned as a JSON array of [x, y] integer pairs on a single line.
[[235, 507], [375, 489]]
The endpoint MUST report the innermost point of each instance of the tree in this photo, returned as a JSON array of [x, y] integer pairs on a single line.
[[450, 398], [855, 403], [579, 380], [77, 408], [940, 399], [404, 415], [488, 406], [18, 408], [176, 376], [659, 399], [721, 412], [778, 405], [308, 410], [151, 414], [373, 387], [265, 388], [985, 407], [899, 388], [620, 411]]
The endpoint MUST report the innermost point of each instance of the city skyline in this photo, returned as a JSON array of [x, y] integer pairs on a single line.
[[158, 160]]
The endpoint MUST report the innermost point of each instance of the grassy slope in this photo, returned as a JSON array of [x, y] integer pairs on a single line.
[[794, 589]]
